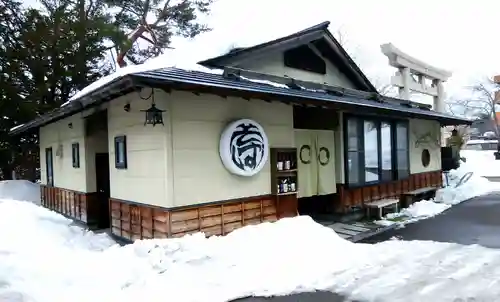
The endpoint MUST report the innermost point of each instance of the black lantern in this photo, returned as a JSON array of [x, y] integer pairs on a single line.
[[153, 115]]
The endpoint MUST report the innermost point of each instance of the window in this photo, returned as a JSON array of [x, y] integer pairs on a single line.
[[376, 150], [353, 151], [304, 58], [402, 152], [49, 167], [121, 152], [386, 149], [75, 154], [426, 158], [372, 160]]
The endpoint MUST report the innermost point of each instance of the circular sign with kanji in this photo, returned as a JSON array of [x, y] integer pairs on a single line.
[[243, 147]]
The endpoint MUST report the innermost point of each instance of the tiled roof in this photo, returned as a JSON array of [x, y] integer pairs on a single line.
[[218, 81], [267, 90]]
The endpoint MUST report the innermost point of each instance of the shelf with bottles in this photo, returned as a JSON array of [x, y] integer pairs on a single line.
[[286, 186], [284, 172]]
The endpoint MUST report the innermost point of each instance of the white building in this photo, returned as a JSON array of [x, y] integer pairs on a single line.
[[213, 165]]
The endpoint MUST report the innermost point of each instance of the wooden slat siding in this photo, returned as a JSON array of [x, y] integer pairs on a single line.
[[347, 198], [72, 204], [216, 219]]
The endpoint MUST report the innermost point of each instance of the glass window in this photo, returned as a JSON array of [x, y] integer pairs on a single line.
[[386, 149], [376, 151], [353, 165], [49, 166], [120, 152], [370, 135], [402, 153], [75, 152], [353, 152]]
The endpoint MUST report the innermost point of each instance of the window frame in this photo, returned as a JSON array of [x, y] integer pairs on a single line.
[[75, 154], [360, 120], [121, 139]]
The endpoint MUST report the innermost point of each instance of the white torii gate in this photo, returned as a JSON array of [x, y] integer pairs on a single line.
[[407, 68]]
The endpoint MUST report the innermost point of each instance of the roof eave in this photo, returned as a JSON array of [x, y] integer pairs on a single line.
[[355, 68], [341, 104], [221, 61], [104, 94]]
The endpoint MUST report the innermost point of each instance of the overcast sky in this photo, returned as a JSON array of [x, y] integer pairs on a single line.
[[459, 36]]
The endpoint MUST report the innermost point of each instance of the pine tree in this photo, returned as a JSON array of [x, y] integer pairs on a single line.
[[156, 22], [46, 56]]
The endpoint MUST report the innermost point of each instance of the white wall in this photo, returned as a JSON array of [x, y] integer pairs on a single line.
[[272, 63], [60, 134], [417, 129], [145, 179], [197, 122]]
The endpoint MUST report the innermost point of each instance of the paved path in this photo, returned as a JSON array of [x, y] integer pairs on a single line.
[[476, 221]]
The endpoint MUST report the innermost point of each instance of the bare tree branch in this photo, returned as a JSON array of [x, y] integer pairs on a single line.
[[481, 105]]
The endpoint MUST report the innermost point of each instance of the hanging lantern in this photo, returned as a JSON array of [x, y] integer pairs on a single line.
[[153, 115]]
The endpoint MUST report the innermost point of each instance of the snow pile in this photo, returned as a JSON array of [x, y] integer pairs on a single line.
[[463, 184], [461, 189], [46, 260], [424, 208], [20, 190], [483, 161]]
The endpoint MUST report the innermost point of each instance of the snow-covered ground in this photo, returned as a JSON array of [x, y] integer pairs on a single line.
[[461, 186], [44, 258], [483, 161]]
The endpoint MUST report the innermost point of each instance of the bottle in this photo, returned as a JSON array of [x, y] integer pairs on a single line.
[[293, 187], [284, 185]]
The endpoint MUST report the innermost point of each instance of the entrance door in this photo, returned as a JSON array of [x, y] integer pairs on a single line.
[[316, 162], [102, 186]]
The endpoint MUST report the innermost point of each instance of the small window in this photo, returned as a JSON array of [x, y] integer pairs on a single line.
[[121, 152], [304, 58], [426, 158], [75, 153], [49, 166]]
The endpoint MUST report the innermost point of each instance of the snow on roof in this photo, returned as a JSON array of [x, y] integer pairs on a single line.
[[14, 128], [120, 72], [150, 65]]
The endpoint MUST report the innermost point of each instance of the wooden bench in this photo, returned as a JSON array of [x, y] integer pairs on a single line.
[[416, 195], [380, 205]]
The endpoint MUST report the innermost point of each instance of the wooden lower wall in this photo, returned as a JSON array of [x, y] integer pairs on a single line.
[[352, 197], [138, 221], [73, 204]]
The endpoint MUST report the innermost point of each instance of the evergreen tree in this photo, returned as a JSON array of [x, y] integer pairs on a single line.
[[46, 56], [155, 22]]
